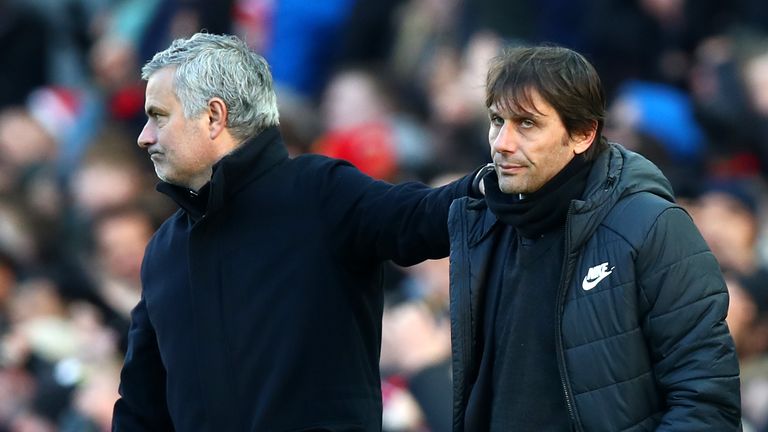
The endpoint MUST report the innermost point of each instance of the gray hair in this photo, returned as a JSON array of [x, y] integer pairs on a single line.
[[223, 66]]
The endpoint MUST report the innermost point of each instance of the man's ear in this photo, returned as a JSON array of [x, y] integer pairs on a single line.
[[217, 117], [583, 139]]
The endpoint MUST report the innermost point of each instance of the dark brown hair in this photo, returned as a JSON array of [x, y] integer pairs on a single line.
[[563, 78]]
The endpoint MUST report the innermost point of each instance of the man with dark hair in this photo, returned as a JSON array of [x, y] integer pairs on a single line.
[[582, 297], [261, 299]]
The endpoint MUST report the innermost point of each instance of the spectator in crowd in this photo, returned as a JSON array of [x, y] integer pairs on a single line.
[[747, 315], [415, 364], [748, 322], [302, 50], [416, 350], [49, 345], [22, 30], [726, 212], [454, 93], [728, 93], [357, 125], [638, 291], [25, 146], [121, 234], [658, 122], [753, 64], [363, 127]]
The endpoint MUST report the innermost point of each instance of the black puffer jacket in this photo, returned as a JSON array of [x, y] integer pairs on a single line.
[[642, 342]]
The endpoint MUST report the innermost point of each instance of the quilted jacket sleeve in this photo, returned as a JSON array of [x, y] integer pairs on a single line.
[[142, 404], [686, 301]]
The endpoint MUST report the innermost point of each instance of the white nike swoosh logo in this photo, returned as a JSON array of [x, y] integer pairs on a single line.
[[589, 284]]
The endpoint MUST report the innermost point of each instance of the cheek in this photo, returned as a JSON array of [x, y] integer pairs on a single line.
[[552, 160], [185, 142], [493, 133], [560, 151]]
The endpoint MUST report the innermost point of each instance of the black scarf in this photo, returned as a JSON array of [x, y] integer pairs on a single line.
[[544, 210]]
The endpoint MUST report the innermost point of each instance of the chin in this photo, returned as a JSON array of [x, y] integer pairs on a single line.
[[508, 188], [163, 176]]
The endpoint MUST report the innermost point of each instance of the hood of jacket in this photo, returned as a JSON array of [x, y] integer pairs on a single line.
[[615, 174]]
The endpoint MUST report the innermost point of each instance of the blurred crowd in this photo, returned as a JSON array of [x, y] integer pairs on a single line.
[[393, 86]]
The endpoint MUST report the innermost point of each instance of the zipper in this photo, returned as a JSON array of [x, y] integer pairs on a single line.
[[463, 319], [464, 291], [566, 269]]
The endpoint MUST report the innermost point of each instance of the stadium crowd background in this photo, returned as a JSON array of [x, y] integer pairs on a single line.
[[395, 87]]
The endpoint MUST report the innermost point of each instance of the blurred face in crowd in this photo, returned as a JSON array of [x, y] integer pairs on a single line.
[[121, 240], [742, 312], [756, 80], [99, 185], [530, 147], [730, 229], [352, 99], [180, 148]]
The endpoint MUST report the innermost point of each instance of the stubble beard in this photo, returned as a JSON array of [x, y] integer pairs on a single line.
[[511, 184], [525, 182], [160, 176]]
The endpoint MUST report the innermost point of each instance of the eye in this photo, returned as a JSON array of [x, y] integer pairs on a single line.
[[158, 117], [496, 120], [527, 123]]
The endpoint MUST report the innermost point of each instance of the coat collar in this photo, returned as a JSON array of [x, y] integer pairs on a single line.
[[246, 163], [616, 173]]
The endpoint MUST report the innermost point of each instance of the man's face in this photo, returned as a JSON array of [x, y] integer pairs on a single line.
[[180, 148], [529, 148]]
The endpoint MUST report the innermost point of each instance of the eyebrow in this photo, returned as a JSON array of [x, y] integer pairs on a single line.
[[515, 115], [152, 109]]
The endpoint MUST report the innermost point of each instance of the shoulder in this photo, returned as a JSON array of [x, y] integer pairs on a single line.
[[639, 206], [469, 207], [633, 216], [318, 168], [318, 162], [471, 218], [325, 175]]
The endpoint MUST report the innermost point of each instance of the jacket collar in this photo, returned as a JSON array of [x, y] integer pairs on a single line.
[[616, 173], [246, 163]]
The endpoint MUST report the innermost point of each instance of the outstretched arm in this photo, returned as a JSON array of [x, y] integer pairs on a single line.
[[406, 223]]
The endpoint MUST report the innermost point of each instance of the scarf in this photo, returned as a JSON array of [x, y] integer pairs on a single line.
[[544, 210]]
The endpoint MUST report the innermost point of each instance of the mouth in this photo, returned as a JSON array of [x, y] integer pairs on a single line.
[[155, 155], [509, 168]]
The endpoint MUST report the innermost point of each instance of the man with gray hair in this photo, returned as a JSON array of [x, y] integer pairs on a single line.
[[261, 301]]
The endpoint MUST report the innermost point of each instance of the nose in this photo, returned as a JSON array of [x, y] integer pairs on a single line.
[[504, 139], [147, 137]]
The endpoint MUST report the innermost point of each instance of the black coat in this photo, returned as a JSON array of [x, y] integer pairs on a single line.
[[641, 339], [261, 305]]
